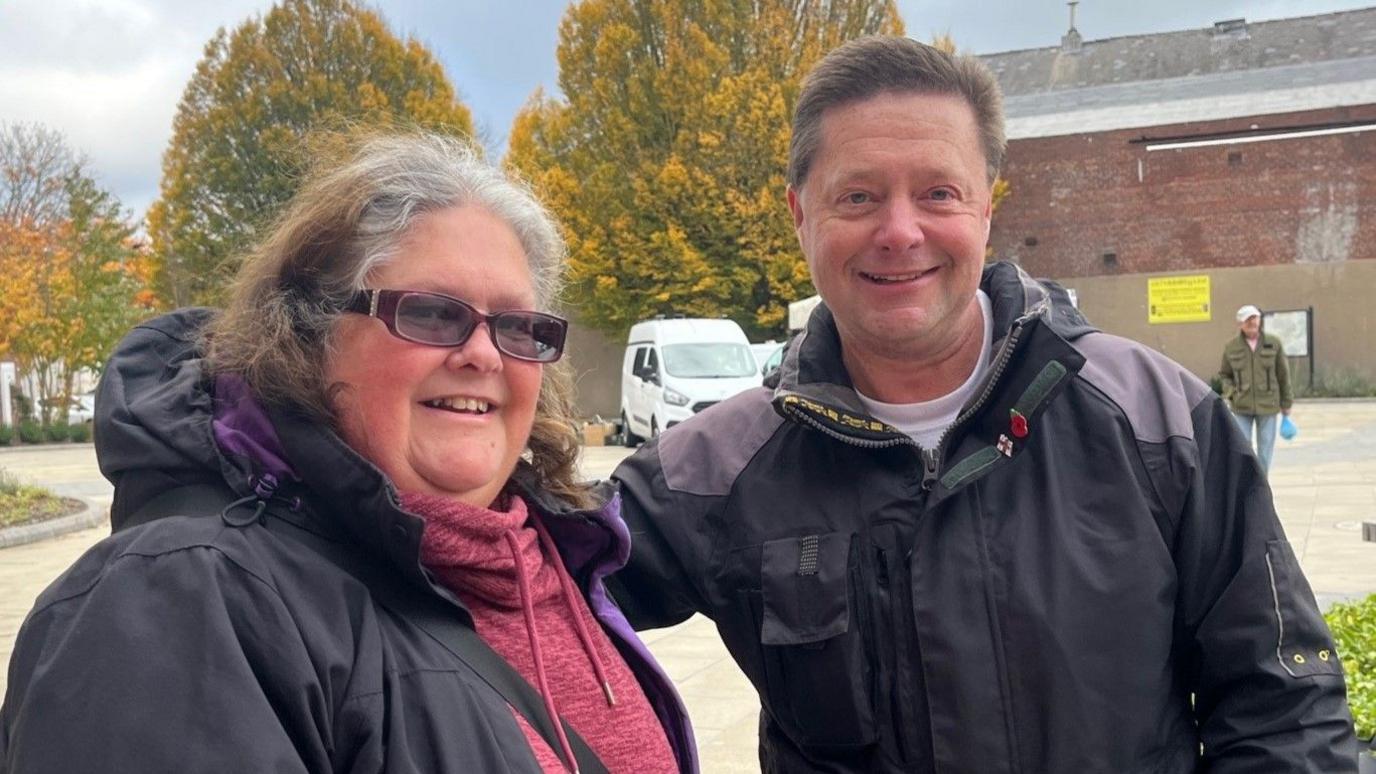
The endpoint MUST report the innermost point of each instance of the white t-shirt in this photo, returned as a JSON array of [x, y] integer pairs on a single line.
[[925, 422]]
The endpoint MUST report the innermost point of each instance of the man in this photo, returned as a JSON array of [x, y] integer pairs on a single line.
[[965, 532], [1256, 382]]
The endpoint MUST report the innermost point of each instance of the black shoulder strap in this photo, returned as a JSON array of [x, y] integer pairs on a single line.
[[430, 614]]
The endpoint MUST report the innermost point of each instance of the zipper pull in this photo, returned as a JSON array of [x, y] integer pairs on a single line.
[[881, 567], [930, 464]]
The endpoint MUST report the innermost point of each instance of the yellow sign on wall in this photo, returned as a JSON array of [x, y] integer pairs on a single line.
[[1178, 299]]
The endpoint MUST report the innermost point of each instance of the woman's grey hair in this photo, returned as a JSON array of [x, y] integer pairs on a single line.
[[348, 219], [411, 175]]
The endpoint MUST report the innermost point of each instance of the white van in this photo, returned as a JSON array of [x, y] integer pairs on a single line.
[[675, 368]]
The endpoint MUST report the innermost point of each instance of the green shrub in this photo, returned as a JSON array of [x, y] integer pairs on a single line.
[[30, 431], [81, 433], [1354, 630], [57, 432], [6, 435], [21, 503]]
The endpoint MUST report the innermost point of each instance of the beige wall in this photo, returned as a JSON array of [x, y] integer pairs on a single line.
[[596, 363], [1343, 296]]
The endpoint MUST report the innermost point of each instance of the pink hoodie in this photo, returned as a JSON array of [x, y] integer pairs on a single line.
[[505, 568]]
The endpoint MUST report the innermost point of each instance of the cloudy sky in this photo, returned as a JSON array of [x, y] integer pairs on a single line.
[[108, 73]]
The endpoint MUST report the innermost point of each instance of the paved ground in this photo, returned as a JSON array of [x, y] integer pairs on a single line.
[[1324, 484]]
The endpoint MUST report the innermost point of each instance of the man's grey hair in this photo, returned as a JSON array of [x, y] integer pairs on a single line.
[[884, 64]]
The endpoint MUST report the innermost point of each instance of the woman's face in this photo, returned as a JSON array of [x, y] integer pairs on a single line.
[[417, 411]]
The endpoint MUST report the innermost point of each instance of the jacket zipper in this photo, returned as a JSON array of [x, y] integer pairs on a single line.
[[931, 458], [868, 619], [896, 626]]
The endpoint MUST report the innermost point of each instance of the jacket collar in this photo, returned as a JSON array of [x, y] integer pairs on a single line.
[[813, 382], [363, 502]]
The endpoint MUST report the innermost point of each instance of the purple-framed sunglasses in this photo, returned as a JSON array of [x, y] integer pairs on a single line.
[[444, 321]]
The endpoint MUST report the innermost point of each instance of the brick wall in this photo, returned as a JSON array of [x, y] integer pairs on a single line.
[[1297, 200]]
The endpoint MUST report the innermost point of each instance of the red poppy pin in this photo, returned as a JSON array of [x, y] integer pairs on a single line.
[[1017, 423]]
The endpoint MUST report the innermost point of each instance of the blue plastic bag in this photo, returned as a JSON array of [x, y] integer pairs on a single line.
[[1287, 428]]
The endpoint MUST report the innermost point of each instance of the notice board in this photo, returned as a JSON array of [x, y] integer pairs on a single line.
[[1179, 299]]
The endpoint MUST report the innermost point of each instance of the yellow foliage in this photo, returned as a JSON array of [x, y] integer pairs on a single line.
[[248, 112], [666, 160]]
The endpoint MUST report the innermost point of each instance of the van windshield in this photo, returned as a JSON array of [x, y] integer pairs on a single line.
[[708, 361]]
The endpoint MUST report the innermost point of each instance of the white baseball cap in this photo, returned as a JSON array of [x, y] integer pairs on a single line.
[[1247, 311]]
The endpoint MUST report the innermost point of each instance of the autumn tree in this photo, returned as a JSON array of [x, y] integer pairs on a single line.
[[235, 155], [73, 280], [666, 156], [69, 289]]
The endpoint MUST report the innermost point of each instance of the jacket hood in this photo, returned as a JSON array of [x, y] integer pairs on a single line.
[[154, 415]]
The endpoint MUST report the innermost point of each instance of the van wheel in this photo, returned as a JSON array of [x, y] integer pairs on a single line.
[[628, 439]]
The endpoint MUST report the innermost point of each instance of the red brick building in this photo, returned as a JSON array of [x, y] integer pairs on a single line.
[[1239, 145]]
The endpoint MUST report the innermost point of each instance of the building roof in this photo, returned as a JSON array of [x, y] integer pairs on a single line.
[[1231, 69]]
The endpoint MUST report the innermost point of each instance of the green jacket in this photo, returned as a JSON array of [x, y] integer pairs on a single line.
[[1256, 383]]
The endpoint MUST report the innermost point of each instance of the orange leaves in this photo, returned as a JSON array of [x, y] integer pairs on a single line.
[[71, 288], [21, 252]]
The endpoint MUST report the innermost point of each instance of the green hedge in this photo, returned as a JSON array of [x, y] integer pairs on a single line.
[[30, 431], [1354, 630]]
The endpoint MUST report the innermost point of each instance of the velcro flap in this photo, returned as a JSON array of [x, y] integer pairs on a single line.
[[805, 589]]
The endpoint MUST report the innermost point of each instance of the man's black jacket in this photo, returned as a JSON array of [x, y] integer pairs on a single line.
[[1086, 575]]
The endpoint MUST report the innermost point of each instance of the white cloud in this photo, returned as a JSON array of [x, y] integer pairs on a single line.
[[121, 120], [107, 74]]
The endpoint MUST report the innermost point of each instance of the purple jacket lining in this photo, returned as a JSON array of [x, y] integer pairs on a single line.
[[243, 430]]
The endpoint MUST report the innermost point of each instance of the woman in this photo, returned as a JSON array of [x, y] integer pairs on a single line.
[[377, 409]]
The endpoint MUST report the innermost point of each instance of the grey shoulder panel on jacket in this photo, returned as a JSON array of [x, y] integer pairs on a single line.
[[1156, 393], [704, 455]]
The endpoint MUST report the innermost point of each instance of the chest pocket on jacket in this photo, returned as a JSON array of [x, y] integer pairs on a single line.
[[1242, 374], [819, 679]]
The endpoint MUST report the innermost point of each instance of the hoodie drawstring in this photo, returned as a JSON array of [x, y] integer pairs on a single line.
[[542, 681], [570, 597]]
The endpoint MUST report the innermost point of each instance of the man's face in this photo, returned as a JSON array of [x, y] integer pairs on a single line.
[[893, 219], [1251, 326]]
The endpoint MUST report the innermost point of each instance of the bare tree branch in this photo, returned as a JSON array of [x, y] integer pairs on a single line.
[[35, 165]]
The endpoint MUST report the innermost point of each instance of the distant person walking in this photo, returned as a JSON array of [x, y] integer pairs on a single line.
[[1256, 381]]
